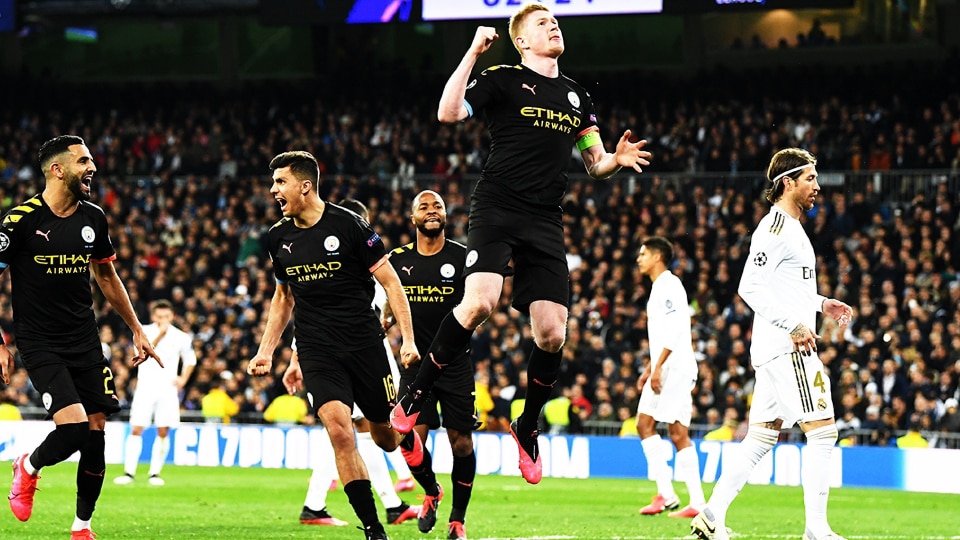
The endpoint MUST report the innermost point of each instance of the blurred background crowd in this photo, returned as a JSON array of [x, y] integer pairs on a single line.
[[183, 179]]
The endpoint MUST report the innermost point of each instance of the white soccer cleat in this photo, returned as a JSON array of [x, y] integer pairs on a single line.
[[705, 527], [123, 480], [156, 481]]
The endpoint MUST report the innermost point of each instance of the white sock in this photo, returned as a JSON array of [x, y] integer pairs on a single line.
[[815, 477], [79, 524], [376, 463], [324, 472], [657, 469], [688, 469], [161, 447], [27, 466], [131, 454], [755, 445], [399, 464]]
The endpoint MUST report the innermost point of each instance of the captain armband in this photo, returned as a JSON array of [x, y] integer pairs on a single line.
[[591, 138]]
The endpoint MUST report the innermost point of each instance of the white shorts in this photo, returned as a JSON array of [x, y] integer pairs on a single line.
[[791, 387], [394, 369], [674, 403], [160, 405]]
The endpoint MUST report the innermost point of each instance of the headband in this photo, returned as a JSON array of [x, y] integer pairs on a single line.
[[787, 173]]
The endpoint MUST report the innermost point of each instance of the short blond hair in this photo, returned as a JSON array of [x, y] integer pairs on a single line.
[[517, 19]]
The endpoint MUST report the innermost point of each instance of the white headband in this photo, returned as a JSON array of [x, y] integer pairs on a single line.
[[787, 173]]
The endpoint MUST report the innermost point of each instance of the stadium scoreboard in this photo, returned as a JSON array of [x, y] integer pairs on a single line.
[[335, 12], [502, 9]]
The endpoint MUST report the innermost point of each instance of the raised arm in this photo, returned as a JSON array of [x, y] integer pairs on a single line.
[[452, 108], [601, 164]]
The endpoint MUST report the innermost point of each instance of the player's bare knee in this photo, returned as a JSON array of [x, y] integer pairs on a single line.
[[475, 313], [461, 444], [646, 426], [680, 439], [341, 438], [551, 340], [383, 435]]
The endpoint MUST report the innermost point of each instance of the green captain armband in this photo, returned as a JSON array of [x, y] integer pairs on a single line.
[[590, 139]]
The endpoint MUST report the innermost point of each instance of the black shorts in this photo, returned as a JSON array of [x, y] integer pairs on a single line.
[[362, 377], [455, 393], [63, 379], [534, 240]]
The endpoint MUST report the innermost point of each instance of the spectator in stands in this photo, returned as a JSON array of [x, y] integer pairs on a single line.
[[205, 208], [913, 438], [218, 405], [8, 408], [950, 423], [731, 419], [287, 409]]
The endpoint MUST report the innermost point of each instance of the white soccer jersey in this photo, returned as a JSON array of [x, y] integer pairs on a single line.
[[174, 347], [668, 322], [779, 283]]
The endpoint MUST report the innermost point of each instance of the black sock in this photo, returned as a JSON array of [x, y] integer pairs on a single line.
[[60, 444], [461, 476], [361, 499], [425, 475], [451, 340], [542, 371], [90, 471]]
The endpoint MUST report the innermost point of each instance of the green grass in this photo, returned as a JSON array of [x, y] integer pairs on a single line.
[[200, 502]]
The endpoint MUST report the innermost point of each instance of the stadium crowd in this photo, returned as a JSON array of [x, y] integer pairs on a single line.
[[183, 178]]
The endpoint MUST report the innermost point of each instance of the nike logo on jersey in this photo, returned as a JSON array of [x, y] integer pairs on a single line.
[[407, 269], [532, 89], [287, 247], [45, 235]]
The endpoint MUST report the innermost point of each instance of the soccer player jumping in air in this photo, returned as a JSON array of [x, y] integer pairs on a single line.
[[536, 115]]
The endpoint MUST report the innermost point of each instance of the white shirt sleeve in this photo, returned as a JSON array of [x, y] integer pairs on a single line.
[[677, 317], [187, 355], [759, 286]]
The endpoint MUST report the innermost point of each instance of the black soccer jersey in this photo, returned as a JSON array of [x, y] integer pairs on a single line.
[[328, 268], [433, 284], [49, 259], [534, 122]]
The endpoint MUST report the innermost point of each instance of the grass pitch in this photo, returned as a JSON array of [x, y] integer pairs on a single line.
[[201, 502]]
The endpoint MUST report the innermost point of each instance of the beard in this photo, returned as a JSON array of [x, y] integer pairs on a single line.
[[431, 233], [73, 184]]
